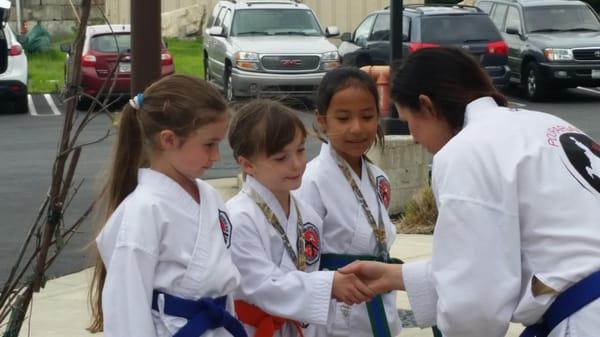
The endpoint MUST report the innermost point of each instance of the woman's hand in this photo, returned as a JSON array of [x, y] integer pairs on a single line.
[[379, 277]]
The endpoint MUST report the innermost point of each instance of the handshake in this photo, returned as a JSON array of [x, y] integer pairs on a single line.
[[361, 280]]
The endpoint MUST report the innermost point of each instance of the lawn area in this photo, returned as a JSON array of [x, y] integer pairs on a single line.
[[46, 71]]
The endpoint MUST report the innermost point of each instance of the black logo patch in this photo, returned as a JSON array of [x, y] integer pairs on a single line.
[[312, 243], [582, 159], [384, 190], [226, 227]]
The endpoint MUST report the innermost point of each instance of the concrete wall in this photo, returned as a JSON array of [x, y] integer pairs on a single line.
[[346, 14], [57, 16], [407, 166]]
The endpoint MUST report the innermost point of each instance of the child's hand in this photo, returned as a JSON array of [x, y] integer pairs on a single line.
[[348, 288]]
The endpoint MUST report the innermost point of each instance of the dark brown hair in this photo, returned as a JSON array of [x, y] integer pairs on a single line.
[[263, 126], [179, 103], [339, 79], [449, 76]]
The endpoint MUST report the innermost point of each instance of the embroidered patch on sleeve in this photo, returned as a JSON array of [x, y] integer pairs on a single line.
[[581, 156], [384, 190], [226, 227], [312, 243]]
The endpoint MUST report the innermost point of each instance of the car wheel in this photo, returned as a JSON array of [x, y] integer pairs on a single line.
[[228, 80], [535, 88], [20, 105]]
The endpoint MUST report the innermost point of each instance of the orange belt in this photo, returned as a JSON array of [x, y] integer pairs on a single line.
[[266, 325]]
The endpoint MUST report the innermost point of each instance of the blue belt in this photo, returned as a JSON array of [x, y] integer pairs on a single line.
[[202, 315], [567, 303]]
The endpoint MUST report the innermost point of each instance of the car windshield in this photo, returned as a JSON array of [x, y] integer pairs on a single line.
[[111, 43], [453, 29], [275, 22], [560, 18]]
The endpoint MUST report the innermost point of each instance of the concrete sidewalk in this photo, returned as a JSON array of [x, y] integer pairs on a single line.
[[60, 309]]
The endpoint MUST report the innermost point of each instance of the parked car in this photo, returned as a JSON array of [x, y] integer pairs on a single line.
[[426, 26], [552, 43], [267, 48], [13, 71], [104, 48]]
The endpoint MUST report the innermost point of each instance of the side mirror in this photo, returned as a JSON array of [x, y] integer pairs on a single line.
[[216, 31], [65, 48], [347, 37], [404, 38], [332, 31]]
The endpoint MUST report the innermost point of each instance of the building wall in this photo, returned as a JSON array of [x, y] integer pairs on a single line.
[[345, 14]]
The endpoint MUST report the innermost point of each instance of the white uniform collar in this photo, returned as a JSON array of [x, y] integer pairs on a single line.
[[165, 185], [327, 150], [268, 197], [479, 108]]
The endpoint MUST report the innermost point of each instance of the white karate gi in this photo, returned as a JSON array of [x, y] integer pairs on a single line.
[[511, 207], [161, 238], [346, 230], [270, 279]]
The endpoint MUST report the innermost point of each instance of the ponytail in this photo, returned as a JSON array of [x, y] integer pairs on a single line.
[[127, 159]]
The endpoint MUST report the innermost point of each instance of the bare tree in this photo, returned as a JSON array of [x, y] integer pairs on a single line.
[[48, 234]]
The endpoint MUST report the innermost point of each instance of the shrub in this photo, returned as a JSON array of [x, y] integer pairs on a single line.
[[420, 213]]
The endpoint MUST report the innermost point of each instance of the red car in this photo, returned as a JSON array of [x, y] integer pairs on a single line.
[[101, 51]]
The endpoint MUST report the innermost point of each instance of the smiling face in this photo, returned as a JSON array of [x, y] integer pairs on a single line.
[[351, 122], [282, 171]]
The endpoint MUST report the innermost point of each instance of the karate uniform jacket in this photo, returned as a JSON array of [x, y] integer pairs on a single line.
[[160, 238], [516, 198], [346, 230], [270, 279]]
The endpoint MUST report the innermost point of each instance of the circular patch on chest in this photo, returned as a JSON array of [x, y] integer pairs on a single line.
[[312, 243]]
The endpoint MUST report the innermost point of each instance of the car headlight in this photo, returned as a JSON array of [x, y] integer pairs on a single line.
[[246, 60], [558, 54], [331, 60]]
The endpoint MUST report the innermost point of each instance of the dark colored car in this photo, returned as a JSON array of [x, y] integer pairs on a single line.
[[426, 26], [552, 44], [104, 48]]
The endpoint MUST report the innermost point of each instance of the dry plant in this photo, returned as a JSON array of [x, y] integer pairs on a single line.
[[49, 234], [420, 213]]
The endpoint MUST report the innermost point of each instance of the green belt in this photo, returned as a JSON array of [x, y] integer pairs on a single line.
[[377, 316]]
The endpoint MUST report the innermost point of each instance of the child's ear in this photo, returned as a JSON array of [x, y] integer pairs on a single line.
[[167, 139], [246, 165], [427, 106], [321, 121]]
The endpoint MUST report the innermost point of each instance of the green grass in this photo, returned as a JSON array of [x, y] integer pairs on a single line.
[[46, 70], [187, 55]]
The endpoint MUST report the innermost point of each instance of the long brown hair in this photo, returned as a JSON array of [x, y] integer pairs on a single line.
[[449, 76], [179, 103]]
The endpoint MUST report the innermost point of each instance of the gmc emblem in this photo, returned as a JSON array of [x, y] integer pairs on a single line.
[[290, 62]]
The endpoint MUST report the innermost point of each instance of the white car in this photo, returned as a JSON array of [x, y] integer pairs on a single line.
[[13, 81]]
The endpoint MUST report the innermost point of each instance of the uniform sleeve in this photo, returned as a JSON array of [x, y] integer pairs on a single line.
[[127, 293], [310, 194], [475, 269], [306, 296]]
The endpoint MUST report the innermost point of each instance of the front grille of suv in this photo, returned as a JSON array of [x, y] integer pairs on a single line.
[[290, 63], [588, 54]]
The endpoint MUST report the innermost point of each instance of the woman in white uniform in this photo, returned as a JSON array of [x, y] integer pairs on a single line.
[[518, 233], [352, 195], [277, 244], [164, 268]]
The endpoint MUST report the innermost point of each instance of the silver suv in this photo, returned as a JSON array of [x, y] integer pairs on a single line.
[[267, 48]]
